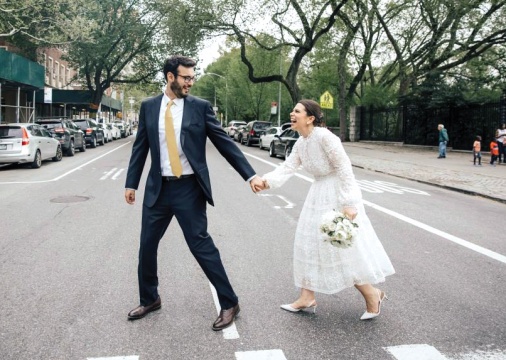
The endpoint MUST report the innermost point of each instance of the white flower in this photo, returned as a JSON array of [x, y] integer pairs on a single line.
[[339, 231]]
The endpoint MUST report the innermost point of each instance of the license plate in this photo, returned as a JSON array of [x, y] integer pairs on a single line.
[[3, 146]]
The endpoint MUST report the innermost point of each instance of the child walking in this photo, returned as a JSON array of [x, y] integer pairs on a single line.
[[477, 150], [494, 151]]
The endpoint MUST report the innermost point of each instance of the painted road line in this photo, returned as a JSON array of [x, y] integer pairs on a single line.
[[68, 172], [452, 238], [415, 352], [133, 357], [115, 176], [261, 355], [229, 333], [109, 173]]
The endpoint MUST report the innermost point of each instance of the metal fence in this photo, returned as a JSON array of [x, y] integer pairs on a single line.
[[412, 125]]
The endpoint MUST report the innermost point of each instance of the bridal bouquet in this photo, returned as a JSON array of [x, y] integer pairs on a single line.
[[339, 230]]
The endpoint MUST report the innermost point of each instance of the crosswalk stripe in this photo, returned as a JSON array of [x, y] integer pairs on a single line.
[[231, 332], [107, 174], [415, 352], [261, 355], [133, 357]]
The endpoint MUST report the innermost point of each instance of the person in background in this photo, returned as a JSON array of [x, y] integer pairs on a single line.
[[443, 140], [318, 266], [477, 150], [494, 152], [500, 136]]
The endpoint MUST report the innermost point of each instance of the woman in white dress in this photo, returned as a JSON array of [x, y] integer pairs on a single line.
[[317, 265]]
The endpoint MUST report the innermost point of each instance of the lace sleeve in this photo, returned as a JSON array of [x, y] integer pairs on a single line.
[[350, 192], [283, 172]]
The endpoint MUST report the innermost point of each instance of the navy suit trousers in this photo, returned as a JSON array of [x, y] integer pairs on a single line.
[[185, 200]]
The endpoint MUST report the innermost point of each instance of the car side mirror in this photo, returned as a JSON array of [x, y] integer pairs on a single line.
[[277, 136]]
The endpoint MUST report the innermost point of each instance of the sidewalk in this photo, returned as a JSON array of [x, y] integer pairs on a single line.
[[455, 172]]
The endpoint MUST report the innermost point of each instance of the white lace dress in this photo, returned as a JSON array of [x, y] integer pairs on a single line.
[[317, 265]]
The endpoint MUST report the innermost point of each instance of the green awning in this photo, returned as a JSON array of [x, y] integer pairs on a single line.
[[76, 97], [18, 71]]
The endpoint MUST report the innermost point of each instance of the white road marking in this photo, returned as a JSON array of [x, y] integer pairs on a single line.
[[444, 235], [134, 357], [384, 186], [229, 333], [115, 176], [109, 173], [289, 205], [415, 352], [68, 172], [261, 355]]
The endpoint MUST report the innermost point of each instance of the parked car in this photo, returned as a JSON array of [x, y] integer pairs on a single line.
[[115, 132], [69, 135], [93, 133], [266, 139], [27, 144], [124, 128], [107, 132], [286, 125], [232, 127], [238, 133], [252, 132], [282, 144]]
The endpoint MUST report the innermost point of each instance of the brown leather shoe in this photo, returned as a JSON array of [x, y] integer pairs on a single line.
[[226, 318], [140, 311]]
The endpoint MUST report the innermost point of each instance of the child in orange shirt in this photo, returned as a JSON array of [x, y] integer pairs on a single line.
[[494, 151], [477, 150]]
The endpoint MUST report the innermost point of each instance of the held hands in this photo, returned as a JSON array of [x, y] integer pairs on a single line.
[[258, 184]]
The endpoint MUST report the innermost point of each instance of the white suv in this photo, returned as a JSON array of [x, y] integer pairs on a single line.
[[232, 127]]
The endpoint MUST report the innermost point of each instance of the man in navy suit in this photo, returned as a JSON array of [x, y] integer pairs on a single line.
[[184, 196]]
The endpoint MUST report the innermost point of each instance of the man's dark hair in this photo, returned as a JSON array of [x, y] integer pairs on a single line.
[[173, 62]]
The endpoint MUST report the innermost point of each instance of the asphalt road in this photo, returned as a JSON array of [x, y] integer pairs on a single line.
[[68, 258]]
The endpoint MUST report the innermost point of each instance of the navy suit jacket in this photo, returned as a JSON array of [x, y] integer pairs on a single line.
[[199, 123]]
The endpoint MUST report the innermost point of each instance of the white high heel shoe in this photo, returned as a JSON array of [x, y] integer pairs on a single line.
[[368, 315], [289, 307]]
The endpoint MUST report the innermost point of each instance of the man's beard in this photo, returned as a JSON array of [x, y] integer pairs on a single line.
[[177, 90]]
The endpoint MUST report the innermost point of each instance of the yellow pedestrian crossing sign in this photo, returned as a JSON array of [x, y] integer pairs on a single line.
[[326, 101]]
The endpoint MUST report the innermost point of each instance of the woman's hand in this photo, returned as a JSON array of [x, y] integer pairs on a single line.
[[350, 212]]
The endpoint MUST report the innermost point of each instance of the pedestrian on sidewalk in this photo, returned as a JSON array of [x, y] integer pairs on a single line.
[[477, 150], [500, 136], [494, 151], [443, 140]]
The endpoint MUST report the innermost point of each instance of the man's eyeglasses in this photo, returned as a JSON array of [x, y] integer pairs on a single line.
[[187, 79]]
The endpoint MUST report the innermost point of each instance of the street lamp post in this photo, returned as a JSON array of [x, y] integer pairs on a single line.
[[226, 94], [131, 101]]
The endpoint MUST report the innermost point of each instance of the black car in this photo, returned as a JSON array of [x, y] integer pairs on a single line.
[[92, 132], [282, 144], [69, 135], [250, 134]]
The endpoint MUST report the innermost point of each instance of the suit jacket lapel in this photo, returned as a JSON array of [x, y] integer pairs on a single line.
[[187, 116]]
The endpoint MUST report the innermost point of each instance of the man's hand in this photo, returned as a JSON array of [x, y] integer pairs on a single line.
[[257, 184], [130, 196]]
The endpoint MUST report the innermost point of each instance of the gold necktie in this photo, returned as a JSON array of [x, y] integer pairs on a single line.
[[170, 137]]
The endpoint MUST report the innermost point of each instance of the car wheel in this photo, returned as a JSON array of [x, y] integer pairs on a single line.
[[103, 141], [37, 161], [93, 142], [71, 150], [271, 151], [288, 151], [83, 146], [59, 154], [260, 144]]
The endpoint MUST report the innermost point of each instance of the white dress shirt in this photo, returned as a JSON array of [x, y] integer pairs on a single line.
[[177, 118]]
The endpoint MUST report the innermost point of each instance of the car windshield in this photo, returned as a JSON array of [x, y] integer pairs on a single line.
[[262, 126], [50, 125], [7, 132]]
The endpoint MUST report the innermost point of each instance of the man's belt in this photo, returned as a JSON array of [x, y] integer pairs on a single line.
[[173, 178]]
